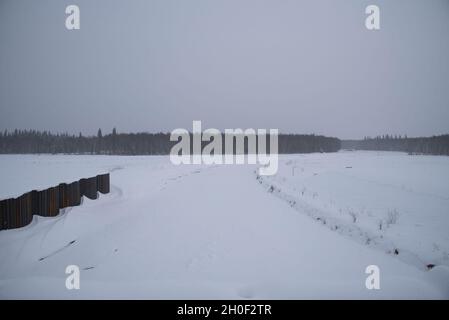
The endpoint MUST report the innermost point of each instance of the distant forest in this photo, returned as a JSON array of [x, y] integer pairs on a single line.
[[436, 145], [32, 141]]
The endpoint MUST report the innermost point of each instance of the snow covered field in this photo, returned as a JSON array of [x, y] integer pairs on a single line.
[[223, 232], [388, 200]]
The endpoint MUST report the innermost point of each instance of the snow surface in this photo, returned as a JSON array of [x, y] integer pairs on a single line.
[[181, 232], [388, 200]]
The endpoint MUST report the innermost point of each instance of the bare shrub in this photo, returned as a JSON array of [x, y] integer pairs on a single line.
[[392, 217], [353, 215]]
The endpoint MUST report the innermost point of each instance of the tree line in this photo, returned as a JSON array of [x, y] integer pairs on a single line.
[[435, 145], [114, 143]]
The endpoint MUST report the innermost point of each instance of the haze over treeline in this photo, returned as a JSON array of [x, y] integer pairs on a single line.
[[436, 145], [32, 141]]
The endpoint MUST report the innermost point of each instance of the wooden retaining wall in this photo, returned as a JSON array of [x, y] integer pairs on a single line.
[[18, 212]]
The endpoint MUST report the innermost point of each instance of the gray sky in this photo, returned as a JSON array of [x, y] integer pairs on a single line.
[[300, 66]]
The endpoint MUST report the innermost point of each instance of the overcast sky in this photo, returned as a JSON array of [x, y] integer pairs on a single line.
[[299, 66]]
